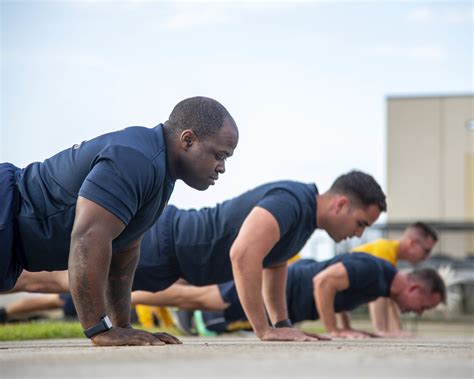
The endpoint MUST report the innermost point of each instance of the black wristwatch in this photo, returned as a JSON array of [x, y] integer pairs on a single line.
[[104, 325], [283, 324]]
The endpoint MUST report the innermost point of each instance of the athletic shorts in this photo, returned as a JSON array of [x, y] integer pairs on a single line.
[[157, 267], [68, 307], [235, 311], [10, 267]]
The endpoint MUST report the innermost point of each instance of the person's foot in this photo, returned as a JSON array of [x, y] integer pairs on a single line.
[[201, 325], [183, 321]]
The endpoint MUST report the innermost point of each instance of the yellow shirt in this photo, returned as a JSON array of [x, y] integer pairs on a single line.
[[383, 249], [295, 258]]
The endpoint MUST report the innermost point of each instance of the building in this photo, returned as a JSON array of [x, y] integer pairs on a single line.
[[430, 168]]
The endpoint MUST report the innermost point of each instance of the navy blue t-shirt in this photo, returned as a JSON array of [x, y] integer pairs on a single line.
[[195, 244], [369, 278], [124, 172], [203, 238]]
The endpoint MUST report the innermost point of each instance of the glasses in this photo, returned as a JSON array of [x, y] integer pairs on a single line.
[[423, 245]]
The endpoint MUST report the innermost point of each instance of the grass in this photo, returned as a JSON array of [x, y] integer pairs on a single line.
[[40, 330], [52, 329]]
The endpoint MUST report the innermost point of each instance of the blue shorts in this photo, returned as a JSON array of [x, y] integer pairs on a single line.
[[68, 307], [229, 294], [157, 267], [10, 267]]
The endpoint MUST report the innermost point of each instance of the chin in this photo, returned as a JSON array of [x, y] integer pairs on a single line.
[[197, 185], [201, 186]]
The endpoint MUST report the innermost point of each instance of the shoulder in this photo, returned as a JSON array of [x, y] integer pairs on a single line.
[[290, 191]]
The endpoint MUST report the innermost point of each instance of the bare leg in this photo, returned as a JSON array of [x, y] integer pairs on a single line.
[[44, 281], [34, 304], [183, 296]]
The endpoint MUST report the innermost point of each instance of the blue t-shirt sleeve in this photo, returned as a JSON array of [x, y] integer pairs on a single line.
[[284, 206], [121, 181]]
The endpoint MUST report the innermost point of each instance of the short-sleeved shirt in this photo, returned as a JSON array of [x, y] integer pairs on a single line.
[[124, 172], [381, 248], [369, 278], [201, 239]]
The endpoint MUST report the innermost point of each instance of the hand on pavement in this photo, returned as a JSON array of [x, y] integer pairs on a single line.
[[167, 338], [287, 334], [318, 336], [128, 337], [399, 334], [352, 334]]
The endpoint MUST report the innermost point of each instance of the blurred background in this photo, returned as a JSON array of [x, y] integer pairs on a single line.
[[317, 88]]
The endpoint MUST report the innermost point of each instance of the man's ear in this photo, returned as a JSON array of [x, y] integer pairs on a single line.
[[187, 138], [415, 286], [341, 202]]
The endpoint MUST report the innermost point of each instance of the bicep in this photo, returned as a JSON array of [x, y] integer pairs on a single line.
[[335, 275], [259, 233], [93, 219]]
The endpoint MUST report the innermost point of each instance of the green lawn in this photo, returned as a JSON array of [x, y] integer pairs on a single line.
[[50, 329]]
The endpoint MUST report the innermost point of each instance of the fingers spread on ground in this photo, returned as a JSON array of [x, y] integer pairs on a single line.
[[158, 343], [168, 338]]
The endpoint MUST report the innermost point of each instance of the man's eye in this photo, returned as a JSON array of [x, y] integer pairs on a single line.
[[220, 157]]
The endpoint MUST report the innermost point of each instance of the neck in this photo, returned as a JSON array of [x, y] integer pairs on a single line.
[[322, 209], [401, 249], [171, 154], [399, 282]]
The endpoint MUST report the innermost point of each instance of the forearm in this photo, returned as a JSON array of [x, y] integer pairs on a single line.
[[324, 295], [344, 320], [274, 292], [393, 323], [378, 314], [89, 260], [248, 281], [119, 286]]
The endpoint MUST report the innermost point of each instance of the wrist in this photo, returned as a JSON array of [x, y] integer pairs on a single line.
[[262, 331], [104, 325], [286, 323]]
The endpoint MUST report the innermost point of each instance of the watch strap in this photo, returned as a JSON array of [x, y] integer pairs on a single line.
[[283, 324], [103, 326]]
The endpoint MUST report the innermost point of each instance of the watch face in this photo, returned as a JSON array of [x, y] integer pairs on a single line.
[[107, 322]]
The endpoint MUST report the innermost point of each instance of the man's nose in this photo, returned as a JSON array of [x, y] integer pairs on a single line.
[[220, 168], [359, 231]]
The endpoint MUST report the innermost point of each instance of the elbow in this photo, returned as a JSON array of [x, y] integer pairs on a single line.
[[237, 258], [318, 282]]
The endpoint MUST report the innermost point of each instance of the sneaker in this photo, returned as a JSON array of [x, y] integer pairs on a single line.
[[201, 325], [183, 321]]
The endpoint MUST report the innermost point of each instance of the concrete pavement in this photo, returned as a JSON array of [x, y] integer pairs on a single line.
[[239, 357]]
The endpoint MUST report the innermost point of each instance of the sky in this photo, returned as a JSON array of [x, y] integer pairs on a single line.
[[306, 82]]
